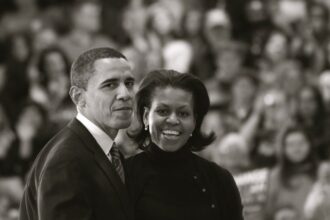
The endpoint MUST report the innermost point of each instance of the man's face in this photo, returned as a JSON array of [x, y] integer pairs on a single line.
[[108, 98]]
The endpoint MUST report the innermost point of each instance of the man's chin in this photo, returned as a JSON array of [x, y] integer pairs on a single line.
[[122, 124]]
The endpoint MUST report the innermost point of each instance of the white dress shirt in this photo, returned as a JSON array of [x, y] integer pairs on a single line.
[[100, 136]]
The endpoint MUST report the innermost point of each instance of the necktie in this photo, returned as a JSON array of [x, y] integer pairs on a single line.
[[116, 161]]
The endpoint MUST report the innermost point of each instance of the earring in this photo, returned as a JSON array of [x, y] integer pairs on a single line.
[[190, 135], [146, 128]]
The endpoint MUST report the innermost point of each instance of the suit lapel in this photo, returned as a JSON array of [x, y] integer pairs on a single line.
[[102, 161]]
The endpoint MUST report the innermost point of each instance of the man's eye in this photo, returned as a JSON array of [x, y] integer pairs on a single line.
[[129, 84], [111, 85]]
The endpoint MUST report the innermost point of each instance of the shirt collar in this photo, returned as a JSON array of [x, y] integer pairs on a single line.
[[100, 136]]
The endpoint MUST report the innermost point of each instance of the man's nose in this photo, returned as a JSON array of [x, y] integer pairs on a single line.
[[123, 93]]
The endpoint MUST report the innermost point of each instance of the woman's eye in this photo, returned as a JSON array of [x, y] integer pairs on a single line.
[[183, 114], [162, 111]]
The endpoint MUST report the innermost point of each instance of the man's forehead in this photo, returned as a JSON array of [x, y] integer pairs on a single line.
[[112, 63]]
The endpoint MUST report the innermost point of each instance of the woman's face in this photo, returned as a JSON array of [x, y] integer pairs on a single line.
[[296, 147], [170, 118]]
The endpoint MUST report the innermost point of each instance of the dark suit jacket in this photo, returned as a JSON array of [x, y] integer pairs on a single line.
[[72, 179]]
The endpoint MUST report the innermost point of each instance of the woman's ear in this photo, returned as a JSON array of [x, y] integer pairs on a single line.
[[78, 96], [145, 116]]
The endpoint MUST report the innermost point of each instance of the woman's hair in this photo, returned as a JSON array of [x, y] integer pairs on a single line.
[[170, 78], [288, 168]]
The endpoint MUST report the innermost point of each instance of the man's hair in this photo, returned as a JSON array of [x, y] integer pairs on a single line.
[[83, 67]]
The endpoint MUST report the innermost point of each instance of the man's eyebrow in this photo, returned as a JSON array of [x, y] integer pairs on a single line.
[[130, 79], [107, 81]]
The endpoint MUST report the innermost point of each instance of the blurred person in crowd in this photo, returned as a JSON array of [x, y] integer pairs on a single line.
[[324, 87], [11, 185], [291, 77], [214, 121], [168, 181], [233, 153], [318, 15], [85, 31], [79, 174], [54, 69], [178, 56], [16, 81], [244, 93], [19, 20], [217, 27], [312, 116], [32, 131], [258, 26], [229, 63], [137, 61], [292, 177], [286, 212], [203, 62], [163, 40], [7, 136], [275, 51], [269, 114], [287, 13], [318, 201]]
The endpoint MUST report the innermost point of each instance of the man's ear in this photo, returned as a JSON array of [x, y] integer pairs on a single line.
[[78, 96], [145, 116]]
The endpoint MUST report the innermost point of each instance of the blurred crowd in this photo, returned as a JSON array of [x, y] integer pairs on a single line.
[[266, 65]]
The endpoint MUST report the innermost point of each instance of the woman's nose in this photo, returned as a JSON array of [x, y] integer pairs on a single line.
[[173, 119]]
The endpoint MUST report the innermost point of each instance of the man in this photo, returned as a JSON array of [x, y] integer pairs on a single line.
[[74, 177]]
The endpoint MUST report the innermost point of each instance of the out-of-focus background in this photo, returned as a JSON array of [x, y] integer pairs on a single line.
[[266, 64]]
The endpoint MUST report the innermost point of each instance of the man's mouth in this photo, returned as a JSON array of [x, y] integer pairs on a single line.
[[123, 109]]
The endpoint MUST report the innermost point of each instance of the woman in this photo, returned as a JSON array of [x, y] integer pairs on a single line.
[[167, 181], [292, 178]]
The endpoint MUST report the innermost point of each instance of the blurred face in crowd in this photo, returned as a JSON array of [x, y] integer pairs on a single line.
[[276, 47], [193, 22], [88, 17], [162, 21], [108, 99], [244, 90], [29, 123], [324, 85], [323, 173], [20, 48], [255, 11], [55, 64], [44, 38], [292, 79], [297, 147], [318, 18], [307, 103], [170, 118], [228, 63]]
